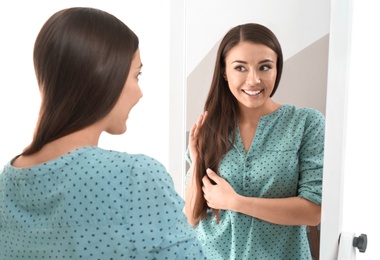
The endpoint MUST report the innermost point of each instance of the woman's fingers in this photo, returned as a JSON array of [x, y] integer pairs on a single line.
[[213, 176], [192, 130], [198, 124], [204, 117]]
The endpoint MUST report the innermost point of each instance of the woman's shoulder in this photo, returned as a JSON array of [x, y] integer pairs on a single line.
[[119, 156], [136, 163], [101, 163], [301, 110], [111, 166], [303, 113]]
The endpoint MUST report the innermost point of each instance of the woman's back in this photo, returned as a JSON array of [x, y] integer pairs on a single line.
[[93, 204]]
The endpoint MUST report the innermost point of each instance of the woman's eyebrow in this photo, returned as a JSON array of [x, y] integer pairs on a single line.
[[239, 61], [244, 62], [266, 60]]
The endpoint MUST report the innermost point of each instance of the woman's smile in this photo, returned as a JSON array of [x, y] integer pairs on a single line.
[[253, 93]]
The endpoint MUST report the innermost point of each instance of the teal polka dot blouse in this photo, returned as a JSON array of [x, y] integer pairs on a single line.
[[284, 160], [93, 204]]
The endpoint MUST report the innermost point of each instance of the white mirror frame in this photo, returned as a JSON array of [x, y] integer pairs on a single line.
[[177, 95], [336, 107]]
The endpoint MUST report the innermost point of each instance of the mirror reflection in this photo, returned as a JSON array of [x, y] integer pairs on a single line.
[[303, 85]]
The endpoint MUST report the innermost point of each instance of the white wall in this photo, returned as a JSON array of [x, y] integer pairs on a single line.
[[148, 124]]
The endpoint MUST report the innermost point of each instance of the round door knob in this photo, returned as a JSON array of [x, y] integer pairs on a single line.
[[360, 243]]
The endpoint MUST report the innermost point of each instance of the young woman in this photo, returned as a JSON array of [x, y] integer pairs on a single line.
[[64, 197], [255, 179]]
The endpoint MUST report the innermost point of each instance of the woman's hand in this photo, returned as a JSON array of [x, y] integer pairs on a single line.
[[193, 190], [220, 195], [194, 135]]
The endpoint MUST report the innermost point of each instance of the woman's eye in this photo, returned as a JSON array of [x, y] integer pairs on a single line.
[[240, 68], [265, 67]]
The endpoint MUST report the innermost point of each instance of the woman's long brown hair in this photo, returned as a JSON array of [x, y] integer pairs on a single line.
[[82, 58], [217, 134]]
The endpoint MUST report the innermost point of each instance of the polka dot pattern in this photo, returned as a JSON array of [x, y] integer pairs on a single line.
[[284, 160], [93, 204]]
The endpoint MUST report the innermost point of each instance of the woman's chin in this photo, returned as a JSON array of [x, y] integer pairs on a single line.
[[117, 131]]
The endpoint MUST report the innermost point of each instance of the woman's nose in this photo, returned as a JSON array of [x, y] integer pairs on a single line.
[[252, 78]]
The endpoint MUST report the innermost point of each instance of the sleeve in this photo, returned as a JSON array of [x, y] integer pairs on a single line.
[[311, 158], [160, 229]]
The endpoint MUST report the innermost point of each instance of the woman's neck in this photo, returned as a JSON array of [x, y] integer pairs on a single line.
[[61, 146], [253, 115]]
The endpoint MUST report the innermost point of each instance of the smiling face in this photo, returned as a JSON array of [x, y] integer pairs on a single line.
[[130, 95], [251, 74]]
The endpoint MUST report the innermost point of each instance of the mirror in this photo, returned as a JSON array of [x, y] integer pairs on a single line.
[[303, 31]]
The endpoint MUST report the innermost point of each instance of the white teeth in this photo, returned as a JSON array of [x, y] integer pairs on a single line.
[[252, 93]]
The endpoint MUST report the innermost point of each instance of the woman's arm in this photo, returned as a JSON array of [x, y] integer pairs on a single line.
[[282, 211]]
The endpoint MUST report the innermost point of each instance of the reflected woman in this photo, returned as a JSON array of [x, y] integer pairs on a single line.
[[66, 198], [255, 180]]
